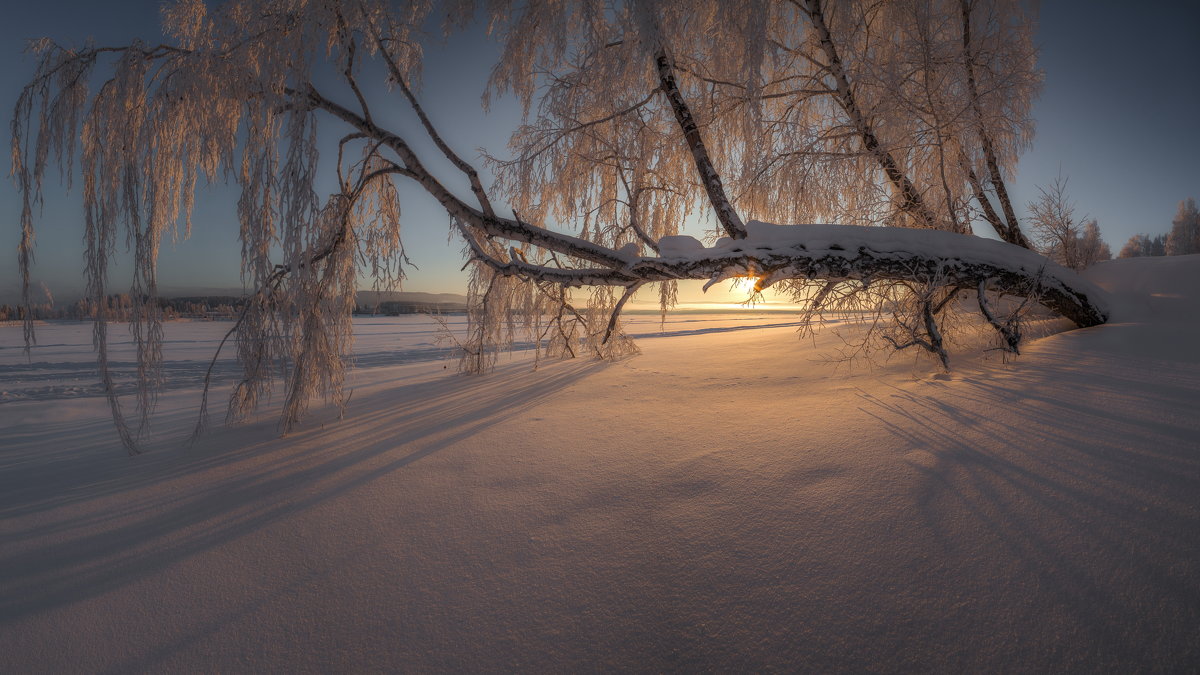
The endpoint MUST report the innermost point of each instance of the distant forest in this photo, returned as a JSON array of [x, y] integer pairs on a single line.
[[119, 307], [398, 307]]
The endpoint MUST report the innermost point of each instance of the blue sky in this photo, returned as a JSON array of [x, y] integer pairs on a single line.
[[1120, 111], [1118, 116]]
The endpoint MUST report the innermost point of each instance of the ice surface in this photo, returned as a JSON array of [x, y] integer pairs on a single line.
[[726, 501]]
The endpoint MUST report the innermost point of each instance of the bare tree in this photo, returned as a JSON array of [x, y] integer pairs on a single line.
[[1072, 243], [620, 144], [1055, 229]]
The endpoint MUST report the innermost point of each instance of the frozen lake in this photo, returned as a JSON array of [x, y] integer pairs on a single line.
[[62, 363]]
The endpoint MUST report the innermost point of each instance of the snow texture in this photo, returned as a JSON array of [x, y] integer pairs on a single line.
[[723, 502]]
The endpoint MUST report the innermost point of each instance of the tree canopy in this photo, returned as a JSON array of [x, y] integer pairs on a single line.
[[904, 113]]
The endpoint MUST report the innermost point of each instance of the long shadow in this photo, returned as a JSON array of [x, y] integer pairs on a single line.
[[1083, 469], [174, 505]]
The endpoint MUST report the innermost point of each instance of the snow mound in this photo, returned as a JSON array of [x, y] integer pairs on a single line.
[[1155, 287], [677, 246]]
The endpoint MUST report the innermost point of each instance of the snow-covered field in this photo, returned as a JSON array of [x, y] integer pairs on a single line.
[[727, 500]]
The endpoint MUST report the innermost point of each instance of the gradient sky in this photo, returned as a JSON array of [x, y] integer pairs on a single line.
[[1118, 117]]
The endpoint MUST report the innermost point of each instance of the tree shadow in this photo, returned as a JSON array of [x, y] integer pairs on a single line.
[[1083, 470], [81, 520]]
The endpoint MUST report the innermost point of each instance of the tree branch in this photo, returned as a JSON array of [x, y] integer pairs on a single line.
[[616, 312], [911, 200], [728, 217], [473, 176], [493, 225], [1009, 229]]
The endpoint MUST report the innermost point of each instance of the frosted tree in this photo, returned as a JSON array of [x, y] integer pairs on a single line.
[[1091, 246], [1137, 247], [1184, 237], [1140, 245], [641, 113], [1070, 242], [909, 113]]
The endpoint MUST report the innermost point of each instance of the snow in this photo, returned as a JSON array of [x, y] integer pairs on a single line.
[[680, 245], [727, 500], [817, 241]]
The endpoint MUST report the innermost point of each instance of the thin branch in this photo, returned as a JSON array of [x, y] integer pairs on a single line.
[[472, 175], [616, 313], [493, 225]]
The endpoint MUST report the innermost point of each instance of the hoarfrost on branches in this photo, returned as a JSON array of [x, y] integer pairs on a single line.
[[638, 114]]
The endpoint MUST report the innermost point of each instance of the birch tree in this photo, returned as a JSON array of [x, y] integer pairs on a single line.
[[902, 112], [641, 113]]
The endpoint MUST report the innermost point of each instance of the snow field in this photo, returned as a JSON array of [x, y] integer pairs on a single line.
[[724, 501]]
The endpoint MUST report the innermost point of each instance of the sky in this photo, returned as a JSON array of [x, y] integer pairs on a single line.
[[1119, 118]]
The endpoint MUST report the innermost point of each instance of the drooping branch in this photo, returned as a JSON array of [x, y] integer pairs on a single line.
[[560, 134], [1009, 329], [472, 175], [492, 225], [616, 312], [518, 266]]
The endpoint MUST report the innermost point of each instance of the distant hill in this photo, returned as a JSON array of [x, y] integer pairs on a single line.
[[367, 298], [394, 303], [361, 297]]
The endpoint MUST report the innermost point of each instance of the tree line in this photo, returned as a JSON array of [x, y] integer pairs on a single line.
[[1183, 239], [120, 307]]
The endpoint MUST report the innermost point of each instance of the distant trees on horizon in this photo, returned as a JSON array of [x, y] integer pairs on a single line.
[[119, 307], [1183, 239]]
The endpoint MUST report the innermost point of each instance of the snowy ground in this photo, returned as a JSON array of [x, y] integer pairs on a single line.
[[724, 501]]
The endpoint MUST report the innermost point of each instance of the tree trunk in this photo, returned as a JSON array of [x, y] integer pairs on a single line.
[[911, 201]]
